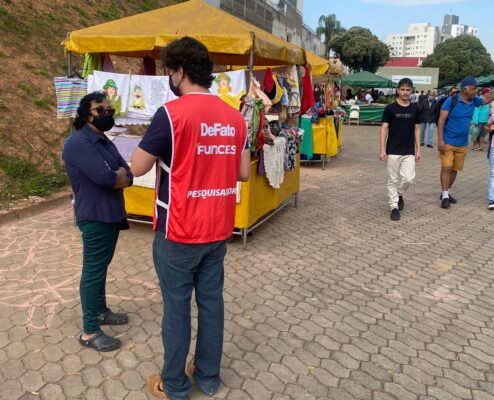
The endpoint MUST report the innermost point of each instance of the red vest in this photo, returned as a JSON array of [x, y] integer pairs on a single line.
[[208, 137]]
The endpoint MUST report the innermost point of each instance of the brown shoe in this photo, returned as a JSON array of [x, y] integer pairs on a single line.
[[155, 387], [190, 369]]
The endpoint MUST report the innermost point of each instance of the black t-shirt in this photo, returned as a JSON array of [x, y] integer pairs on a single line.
[[401, 135]]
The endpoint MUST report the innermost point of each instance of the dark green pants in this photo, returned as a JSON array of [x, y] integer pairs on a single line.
[[98, 245]]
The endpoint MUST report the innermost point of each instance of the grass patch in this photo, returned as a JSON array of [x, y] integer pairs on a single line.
[[13, 24], [27, 88], [111, 12], [148, 5], [84, 17], [2, 54], [24, 179], [43, 103], [43, 72]]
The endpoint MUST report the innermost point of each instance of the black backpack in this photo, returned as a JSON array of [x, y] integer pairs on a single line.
[[437, 107]]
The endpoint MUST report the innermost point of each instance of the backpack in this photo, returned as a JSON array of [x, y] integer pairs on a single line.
[[437, 107]]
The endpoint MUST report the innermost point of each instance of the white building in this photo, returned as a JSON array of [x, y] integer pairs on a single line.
[[419, 41], [460, 29]]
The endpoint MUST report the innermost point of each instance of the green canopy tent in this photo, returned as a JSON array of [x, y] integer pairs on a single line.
[[368, 79], [486, 81]]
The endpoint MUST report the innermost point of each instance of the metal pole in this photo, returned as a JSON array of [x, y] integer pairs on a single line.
[[251, 57], [251, 61], [69, 63]]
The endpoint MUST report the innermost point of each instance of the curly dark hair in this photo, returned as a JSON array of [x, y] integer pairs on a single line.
[[84, 109], [193, 57]]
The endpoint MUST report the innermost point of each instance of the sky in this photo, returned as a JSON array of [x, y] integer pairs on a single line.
[[393, 16]]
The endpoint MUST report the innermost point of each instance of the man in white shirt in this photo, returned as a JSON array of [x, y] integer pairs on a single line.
[[368, 97]]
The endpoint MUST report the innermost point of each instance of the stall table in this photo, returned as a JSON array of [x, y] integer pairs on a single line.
[[370, 113], [258, 200]]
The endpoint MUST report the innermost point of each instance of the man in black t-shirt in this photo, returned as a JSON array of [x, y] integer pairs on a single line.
[[400, 145]]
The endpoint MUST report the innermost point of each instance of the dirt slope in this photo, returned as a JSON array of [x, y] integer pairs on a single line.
[[31, 54]]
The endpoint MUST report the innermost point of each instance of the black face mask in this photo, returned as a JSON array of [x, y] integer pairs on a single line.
[[103, 123], [175, 89]]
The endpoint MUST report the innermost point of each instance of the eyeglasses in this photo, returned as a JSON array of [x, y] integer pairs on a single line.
[[102, 110]]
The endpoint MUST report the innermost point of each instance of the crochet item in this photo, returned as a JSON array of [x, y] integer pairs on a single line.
[[274, 159]]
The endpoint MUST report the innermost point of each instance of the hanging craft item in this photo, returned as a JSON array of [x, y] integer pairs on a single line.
[[230, 87], [69, 92], [274, 160]]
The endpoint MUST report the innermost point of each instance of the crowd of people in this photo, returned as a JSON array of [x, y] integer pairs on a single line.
[[370, 96], [405, 123]]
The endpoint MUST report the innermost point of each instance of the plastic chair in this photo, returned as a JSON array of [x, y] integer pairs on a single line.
[[354, 114]]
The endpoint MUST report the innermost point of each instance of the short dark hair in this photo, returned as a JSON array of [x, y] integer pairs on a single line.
[[84, 109], [405, 82], [193, 57], [452, 90]]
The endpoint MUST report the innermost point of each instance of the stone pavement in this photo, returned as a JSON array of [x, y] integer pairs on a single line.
[[332, 300]]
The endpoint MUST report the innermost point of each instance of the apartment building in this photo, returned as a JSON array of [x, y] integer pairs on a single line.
[[419, 41]]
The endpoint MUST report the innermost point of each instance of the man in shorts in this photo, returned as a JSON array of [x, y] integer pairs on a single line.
[[453, 130]]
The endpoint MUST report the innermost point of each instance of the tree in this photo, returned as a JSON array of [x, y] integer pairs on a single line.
[[360, 50], [456, 58], [329, 26]]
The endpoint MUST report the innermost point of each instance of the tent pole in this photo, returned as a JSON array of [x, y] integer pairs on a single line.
[[69, 73], [251, 61], [69, 63]]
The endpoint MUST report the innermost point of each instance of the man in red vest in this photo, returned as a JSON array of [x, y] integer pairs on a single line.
[[199, 144]]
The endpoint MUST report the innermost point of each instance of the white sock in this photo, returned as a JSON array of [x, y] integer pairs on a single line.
[[445, 195]]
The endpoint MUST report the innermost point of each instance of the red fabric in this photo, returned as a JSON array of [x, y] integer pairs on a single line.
[[208, 139], [260, 134], [308, 94], [268, 81]]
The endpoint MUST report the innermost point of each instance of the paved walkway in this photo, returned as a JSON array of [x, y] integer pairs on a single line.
[[330, 301]]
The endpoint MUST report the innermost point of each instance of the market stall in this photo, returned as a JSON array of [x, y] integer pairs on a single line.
[[323, 128], [369, 113], [486, 81], [231, 41]]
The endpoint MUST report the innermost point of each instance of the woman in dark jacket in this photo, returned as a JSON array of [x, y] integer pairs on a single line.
[[98, 175]]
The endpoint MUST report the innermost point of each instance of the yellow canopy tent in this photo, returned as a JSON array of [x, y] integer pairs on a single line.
[[319, 65], [230, 40]]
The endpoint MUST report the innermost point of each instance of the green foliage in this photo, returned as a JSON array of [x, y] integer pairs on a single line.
[[2, 54], [329, 26], [459, 57], [360, 50], [23, 178]]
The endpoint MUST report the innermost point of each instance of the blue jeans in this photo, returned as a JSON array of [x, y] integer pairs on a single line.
[[182, 268], [423, 127], [490, 196]]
